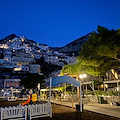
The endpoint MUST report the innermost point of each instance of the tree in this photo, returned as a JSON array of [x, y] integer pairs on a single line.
[[100, 52], [32, 80]]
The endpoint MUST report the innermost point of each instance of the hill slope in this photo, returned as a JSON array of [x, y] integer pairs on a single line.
[[74, 46]]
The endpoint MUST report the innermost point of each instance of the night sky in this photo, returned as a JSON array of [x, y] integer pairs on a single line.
[[57, 22]]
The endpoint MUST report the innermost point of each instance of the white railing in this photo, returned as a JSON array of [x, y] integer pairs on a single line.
[[22, 112], [40, 110], [19, 112]]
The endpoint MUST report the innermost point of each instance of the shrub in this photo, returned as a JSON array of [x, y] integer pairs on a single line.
[[98, 92]]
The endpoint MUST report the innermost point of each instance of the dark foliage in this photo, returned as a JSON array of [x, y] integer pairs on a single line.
[[32, 80], [47, 68]]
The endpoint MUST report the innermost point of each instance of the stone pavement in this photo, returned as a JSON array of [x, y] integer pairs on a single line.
[[105, 109]]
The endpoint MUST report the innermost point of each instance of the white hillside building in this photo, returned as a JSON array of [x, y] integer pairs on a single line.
[[9, 64], [7, 57], [16, 43], [24, 68], [8, 52], [57, 53], [52, 59], [22, 38], [34, 68], [23, 59], [1, 61], [70, 60], [4, 46], [37, 56]]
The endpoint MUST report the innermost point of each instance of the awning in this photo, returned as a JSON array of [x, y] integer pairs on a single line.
[[65, 79]]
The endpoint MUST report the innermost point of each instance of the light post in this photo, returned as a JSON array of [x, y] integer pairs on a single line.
[[12, 92], [83, 78], [38, 89]]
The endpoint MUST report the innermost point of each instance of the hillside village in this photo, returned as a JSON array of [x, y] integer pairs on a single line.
[[21, 54]]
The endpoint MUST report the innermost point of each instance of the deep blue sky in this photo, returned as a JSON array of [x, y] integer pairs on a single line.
[[57, 22]]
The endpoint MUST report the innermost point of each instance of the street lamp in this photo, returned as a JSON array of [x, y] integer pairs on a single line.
[[38, 89], [83, 78], [12, 92]]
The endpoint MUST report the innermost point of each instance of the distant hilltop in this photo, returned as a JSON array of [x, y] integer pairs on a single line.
[[74, 46], [12, 36], [71, 48]]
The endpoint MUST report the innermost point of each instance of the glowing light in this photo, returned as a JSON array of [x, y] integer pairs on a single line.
[[17, 69], [83, 76]]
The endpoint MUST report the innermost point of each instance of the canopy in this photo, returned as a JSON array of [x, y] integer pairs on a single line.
[[65, 79]]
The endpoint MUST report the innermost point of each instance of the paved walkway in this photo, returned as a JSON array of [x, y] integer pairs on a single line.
[[103, 109], [95, 107]]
